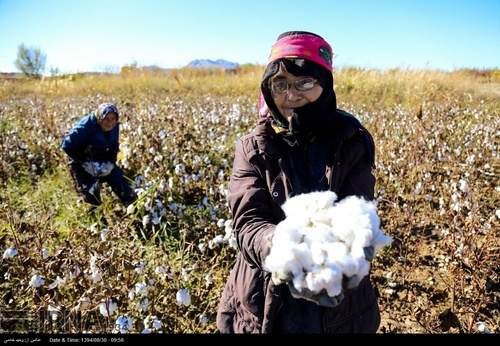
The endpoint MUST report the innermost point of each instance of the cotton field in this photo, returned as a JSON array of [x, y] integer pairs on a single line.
[[159, 266]]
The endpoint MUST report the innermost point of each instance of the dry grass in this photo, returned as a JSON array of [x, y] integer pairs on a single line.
[[438, 151]]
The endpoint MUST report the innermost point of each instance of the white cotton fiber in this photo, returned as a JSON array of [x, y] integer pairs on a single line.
[[309, 204], [380, 240], [321, 242], [324, 277]]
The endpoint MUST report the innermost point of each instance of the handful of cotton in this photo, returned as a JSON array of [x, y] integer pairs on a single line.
[[97, 169], [321, 245]]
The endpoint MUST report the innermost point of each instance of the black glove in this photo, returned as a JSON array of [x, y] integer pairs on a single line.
[[351, 282], [321, 298], [369, 253]]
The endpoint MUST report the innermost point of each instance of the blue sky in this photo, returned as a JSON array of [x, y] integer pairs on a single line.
[[103, 35]]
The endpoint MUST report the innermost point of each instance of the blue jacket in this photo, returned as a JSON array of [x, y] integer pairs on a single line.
[[88, 142]]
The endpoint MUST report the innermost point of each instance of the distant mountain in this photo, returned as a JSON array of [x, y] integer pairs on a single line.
[[219, 63], [198, 63]]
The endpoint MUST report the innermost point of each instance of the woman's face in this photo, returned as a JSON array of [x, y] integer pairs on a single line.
[[109, 122], [293, 98]]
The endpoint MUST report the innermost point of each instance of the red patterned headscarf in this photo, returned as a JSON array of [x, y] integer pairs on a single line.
[[303, 46]]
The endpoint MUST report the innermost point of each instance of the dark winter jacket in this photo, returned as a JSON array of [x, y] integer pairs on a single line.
[[88, 142], [261, 182]]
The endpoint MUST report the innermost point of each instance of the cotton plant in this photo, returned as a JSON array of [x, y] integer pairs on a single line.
[[54, 312], [45, 253], [73, 274], [104, 234], [183, 298], [209, 279], [482, 328], [9, 253], [185, 273], [95, 274], [107, 307], [322, 241], [58, 282], [138, 296], [141, 288], [36, 281], [219, 239], [123, 324], [142, 304], [152, 325], [164, 272], [84, 303], [140, 266]]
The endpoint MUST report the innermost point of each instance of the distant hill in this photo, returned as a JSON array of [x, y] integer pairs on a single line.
[[10, 75], [206, 63], [202, 63], [198, 63]]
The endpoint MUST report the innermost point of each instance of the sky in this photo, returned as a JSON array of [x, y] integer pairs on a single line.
[[104, 35]]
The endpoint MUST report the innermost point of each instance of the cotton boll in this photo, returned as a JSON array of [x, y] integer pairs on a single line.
[[367, 219], [341, 215], [362, 239], [314, 281], [316, 217], [279, 277], [324, 277], [357, 253], [364, 268], [287, 260], [322, 218], [319, 233], [363, 221], [342, 231], [334, 287], [320, 200], [374, 218], [302, 220], [336, 252], [353, 280], [322, 241], [319, 253], [369, 209], [291, 205], [294, 206], [361, 205], [303, 257], [308, 204], [183, 298], [347, 264], [280, 262], [379, 240], [286, 231], [354, 228], [299, 281]]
